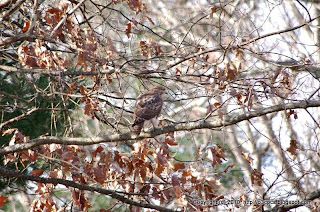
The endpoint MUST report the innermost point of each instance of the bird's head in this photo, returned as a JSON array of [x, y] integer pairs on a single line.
[[159, 89]]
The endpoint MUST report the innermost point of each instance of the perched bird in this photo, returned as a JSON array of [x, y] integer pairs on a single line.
[[148, 106]]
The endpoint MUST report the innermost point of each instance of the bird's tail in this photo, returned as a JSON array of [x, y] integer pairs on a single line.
[[136, 130], [137, 120]]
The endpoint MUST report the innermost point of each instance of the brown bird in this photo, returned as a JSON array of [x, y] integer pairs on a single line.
[[148, 106]]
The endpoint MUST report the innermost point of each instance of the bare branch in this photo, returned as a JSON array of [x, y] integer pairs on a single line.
[[18, 118], [5, 172], [6, 16], [229, 120], [243, 44], [65, 18], [5, 3], [16, 38], [52, 72]]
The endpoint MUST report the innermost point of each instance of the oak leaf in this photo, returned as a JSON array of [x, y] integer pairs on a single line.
[[293, 149], [3, 200], [128, 29], [256, 175], [178, 166], [37, 172], [247, 157]]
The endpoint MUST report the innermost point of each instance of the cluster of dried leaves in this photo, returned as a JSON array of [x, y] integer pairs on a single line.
[[148, 172], [58, 29]]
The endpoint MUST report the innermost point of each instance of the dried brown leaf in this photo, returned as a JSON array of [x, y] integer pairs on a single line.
[[293, 149], [177, 192], [118, 159], [128, 29], [230, 72], [99, 174], [105, 210], [241, 98], [186, 173], [145, 189], [80, 200], [136, 5], [217, 104], [67, 156], [144, 48], [292, 112], [3, 200], [162, 160], [169, 139], [216, 155], [25, 26], [156, 48], [256, 176], [37, 172], [27, 56], [99, 149], [247, 157], [178, 166], [53, 174], [159, 169], [213, 9], [143, 173], [178, 72], [149, 19], [230, 166]]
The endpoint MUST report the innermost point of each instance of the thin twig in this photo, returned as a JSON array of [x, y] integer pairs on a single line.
[[241, 45], [6, 172], [65, 18], [305, 9], [231, 119], [6, 16], [53, 72], [17, 118]]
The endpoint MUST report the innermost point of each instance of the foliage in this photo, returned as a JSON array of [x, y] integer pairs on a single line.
[[231, 127]]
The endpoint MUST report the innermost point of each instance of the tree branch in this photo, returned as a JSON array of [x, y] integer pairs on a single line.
[[5, 3], [6, 16], [231, 119], [18, 118], [52, 72], [241, 45], [5, 172], [278, 32], [21, 37], [65, 18]]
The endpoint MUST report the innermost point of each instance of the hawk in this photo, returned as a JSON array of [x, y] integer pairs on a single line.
[[148, 106]]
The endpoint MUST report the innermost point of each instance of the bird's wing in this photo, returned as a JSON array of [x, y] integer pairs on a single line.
[[148, 106]]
